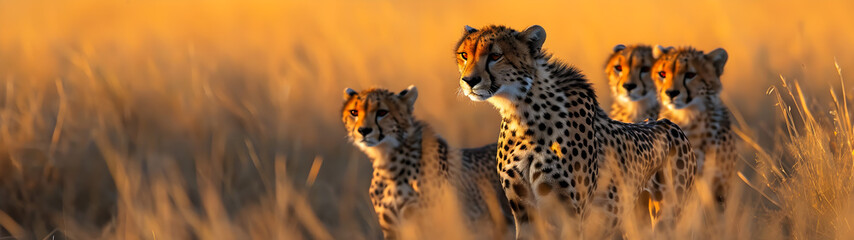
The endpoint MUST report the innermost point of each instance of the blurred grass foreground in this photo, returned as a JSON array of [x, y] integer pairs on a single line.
[[219, 119]]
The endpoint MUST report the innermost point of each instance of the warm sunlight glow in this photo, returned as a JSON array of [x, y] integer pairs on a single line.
[[221, 119]]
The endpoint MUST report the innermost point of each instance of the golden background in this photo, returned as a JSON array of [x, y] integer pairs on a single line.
[[220, 119]]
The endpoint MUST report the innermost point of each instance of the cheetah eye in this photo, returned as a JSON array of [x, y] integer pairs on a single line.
[[618, 68], [644, 69], [382, 113], [690, 75], [662, 74], [354, 113], [465, 56], [494, 56]]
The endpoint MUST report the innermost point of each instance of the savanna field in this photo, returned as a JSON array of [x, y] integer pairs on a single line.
[[221, 119]]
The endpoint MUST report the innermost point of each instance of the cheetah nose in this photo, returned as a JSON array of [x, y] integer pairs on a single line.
[[629, 86], [365, 131], [472, 81], [672, 93]]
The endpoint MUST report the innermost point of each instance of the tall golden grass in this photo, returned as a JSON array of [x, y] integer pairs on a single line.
[[219, 119]]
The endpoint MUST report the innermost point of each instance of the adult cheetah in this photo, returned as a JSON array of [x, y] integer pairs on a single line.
[[689, 88], [556, 143], [413, 165]]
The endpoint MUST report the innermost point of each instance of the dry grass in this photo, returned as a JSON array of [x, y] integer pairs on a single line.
[[219, 120]]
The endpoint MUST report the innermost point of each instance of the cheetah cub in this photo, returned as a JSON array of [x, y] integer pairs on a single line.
[[689, 88], [628, 71], [412, 164]]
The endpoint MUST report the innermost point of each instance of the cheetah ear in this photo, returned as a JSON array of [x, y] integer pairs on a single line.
[[659, 51], [619, 47], [348, 93], [718, 58], [535, 36], [470, 29], [409, 95]]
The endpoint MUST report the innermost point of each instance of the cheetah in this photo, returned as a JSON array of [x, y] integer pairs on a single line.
[[635, 95], [556, 143], [411, 163], [689, 88], [628, 71]]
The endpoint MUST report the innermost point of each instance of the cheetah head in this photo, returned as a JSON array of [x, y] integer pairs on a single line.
[[498, 61], [378, 117], [628, 71], [684, 75]]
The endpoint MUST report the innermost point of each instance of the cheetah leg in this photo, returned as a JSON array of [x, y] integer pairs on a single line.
[[389, 234], [602, 219], [521, 201], [726, 170], [668, 196], [388, 227], [522, 214], [654, 210], [663, 202], [720, 189], [656, 188]]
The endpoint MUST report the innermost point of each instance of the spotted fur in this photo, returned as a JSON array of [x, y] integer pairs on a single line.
[[412, 164], [689, 88], [556, 142], [628, 70]]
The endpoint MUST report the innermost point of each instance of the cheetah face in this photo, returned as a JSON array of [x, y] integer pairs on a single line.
[[377, 117], [628, 72], [685, 75], [497, 61]]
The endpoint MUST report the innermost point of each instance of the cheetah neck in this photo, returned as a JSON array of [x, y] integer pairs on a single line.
[[636, 111], [387, 161], [701, 122], [700, 113], [421, 149]]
